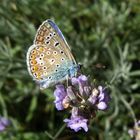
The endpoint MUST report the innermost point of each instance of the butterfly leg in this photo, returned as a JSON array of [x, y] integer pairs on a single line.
[[67, 80]]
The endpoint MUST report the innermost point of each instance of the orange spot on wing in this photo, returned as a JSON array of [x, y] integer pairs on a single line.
[[40, 38], [44, 28], [34, 69], [41, 33], [33, 62], [32, 56], [41, 49], [34, 52], [38, 76]]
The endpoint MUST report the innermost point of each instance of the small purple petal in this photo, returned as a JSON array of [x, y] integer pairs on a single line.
[[92, 99], [101, 95], [131, 133], [102, 106], [59, 105], [60, 91], [83, 82], [3, 123], [74, 81], [82, 78], [77, 123], [59, 94], [2, 128]]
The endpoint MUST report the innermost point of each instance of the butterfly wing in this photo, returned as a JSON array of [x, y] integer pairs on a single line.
[[47, 65], [50, 35], [49, 59]]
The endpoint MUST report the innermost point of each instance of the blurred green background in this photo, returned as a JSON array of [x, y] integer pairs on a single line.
[[98, 31]]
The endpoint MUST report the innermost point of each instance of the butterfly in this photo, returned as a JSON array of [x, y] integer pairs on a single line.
[[49, 59]]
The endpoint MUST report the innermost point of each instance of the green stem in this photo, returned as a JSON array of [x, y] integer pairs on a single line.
[[60, 131], [128, 107]]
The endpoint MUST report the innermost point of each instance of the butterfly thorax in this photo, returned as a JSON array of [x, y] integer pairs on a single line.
[[73, 70]]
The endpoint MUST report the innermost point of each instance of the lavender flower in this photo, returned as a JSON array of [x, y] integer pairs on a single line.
[[99, 98], [76, 122], [3, 123], [60, 95], [83, 99]]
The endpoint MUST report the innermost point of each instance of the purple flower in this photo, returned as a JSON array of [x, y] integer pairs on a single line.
[[82, 82], [103, 99], [77, 123], [99, 98], [83, 99], [3, 123], [82, 79], [60, 95], [102, 106]]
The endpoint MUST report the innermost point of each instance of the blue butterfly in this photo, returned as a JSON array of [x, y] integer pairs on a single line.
[[49, 59]]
